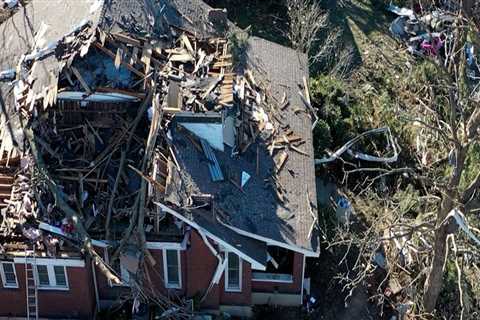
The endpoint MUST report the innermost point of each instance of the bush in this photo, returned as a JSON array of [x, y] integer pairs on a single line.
[[330, 97]]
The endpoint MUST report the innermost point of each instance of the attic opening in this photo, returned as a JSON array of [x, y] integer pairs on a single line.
[[279, 266]]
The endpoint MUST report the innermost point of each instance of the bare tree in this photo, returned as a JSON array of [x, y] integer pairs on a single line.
[[311, 32], [441, 114]]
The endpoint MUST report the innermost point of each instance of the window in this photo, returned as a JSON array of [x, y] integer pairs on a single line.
[[171, 267], [9, 275], [279, 267], [234, 273], [60, 277], [52, 277], [42, 272]]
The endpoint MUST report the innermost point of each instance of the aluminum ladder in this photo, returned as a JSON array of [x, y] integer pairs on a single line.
[[31, 284]]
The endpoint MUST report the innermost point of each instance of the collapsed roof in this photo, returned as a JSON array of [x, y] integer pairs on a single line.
[[128, 106]]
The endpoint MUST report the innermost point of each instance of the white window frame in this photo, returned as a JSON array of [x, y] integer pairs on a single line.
[[169, 285], [51, 278], [240, 276], [272, 277], [4, 278]]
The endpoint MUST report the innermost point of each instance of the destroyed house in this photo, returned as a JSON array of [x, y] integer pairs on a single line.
[[142, 162]]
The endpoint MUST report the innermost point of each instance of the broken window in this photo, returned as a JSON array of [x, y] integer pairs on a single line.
[[9, 276], [279, 266], [234, 273], [172, 271]]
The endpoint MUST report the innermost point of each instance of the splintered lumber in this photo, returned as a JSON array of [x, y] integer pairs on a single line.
[[112, 196], [212, 86], [222, 64], [148, 179], [181, 57], [298, 150], [137, 216], [126, 39], [281, 161], [62, 204], [186, 42], [307, 92], [82, 81], [250, 78], [149, 149], [287, 139], [306, 102], [112, 55], [146, 57]]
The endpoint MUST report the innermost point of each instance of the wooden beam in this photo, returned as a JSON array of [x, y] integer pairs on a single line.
[[112, 55], [82, 81]]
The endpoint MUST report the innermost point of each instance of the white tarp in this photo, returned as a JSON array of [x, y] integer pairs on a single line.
[[211, 132], [95, 97], [462, 223], [10, 4]]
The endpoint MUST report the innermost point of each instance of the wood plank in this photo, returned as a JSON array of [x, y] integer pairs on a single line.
[[126, 39], [82, 81], [112, 55]]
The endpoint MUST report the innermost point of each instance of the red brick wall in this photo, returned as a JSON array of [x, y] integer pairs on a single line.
[[295, 287], [243, 298], [155, 274], [201, 265], [77, 302]]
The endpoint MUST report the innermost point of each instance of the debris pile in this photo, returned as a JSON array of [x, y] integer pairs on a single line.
[[430, 32], [425, 33], [90, 151]]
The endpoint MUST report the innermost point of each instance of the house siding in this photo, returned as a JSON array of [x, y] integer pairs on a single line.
[[77, 302]]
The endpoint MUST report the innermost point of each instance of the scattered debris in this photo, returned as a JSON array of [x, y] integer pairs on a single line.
[[362, 156], [100, 115]]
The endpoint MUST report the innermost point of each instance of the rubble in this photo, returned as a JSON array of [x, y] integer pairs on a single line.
[[425, 31], [97, 112]]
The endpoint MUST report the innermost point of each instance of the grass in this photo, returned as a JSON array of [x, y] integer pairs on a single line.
[[264, 18]]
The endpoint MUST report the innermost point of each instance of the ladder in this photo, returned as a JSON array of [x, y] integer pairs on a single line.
[[31, 284]]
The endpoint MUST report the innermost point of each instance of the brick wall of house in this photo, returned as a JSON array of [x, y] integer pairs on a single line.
[[198, 266], [201, 266], [77, 302], [155, 273], [243, 298], [294, 287]]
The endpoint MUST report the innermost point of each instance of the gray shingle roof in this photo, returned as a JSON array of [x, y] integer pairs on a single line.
[[17, 34], [257, 209], [257, 250], [284, 70]]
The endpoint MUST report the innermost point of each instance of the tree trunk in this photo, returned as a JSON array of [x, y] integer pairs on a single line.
[[435, 277], [433, 285]]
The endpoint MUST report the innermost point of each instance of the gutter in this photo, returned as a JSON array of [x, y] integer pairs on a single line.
[[272, 242], [222, 264], [255, 264], [95, 286]]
